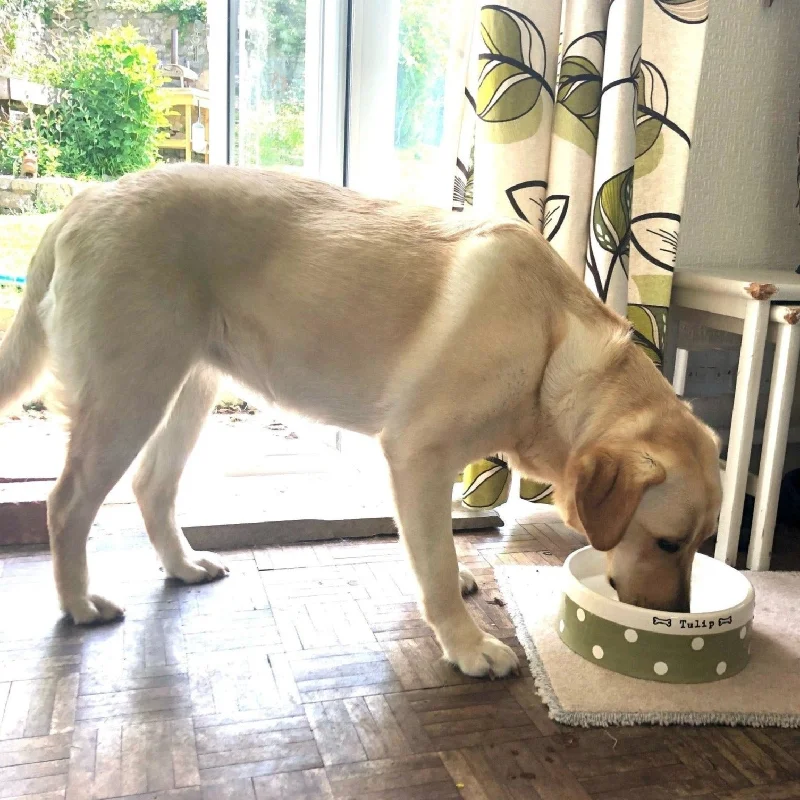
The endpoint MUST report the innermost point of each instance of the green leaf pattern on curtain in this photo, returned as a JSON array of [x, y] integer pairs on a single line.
[[527, 199], [611, 218], [667, 81], [511, 78], [598, 163], [555, 212], [652, 101], [655, 238], [486, 483], [575, 127], [577, 115], [609, 232], [649, 324]]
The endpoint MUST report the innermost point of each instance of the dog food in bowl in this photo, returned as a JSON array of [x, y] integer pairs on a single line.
[[710, 643]]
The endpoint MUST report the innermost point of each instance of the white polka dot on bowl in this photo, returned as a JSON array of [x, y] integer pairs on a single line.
[[581, 614], [631, 635], [561, 626], [721, 667], [698, 643], [597, 651], [743, 632], [660, 668]]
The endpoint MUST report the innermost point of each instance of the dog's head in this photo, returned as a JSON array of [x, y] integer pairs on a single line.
[[649, 502]]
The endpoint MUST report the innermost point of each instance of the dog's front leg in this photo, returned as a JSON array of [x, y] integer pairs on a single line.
[[423, 491]]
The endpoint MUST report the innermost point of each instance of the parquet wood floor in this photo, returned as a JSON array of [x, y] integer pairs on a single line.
[[309, 674]]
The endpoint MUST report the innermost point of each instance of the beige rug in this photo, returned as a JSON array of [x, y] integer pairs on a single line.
[[766, 693]]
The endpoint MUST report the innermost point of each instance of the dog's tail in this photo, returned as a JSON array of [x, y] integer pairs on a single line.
[[23, 350]]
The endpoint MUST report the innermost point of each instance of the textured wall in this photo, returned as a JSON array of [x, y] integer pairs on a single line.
[[742, 186], [154, 28]]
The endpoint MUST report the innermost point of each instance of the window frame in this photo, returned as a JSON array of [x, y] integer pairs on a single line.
[[350, 90], [374, 46], [326, 85]]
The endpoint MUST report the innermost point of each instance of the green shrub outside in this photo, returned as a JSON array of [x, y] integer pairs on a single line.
[[107, 120]]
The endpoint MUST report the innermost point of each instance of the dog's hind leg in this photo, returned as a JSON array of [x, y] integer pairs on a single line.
[[156, 482], [109, 428]]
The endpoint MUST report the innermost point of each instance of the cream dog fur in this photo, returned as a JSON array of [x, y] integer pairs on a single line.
[[448, 338]]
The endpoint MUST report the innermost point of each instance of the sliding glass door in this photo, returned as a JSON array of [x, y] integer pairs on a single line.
[[351, 91], [286, 85]]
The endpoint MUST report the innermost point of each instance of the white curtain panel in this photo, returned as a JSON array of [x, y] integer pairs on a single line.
[[577, 117]]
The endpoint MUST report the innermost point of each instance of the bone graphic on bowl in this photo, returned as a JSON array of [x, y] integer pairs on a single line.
[[725, 621], [659, 621]]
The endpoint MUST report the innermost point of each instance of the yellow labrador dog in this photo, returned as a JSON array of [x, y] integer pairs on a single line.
[[448, 338]]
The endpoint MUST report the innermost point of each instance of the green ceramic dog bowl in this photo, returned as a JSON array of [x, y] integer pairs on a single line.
[[710, 643]]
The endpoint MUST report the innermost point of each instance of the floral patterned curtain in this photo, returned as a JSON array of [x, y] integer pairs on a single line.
[[578, 118]]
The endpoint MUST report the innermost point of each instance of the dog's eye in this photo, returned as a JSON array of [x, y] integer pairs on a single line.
[[668, 546]]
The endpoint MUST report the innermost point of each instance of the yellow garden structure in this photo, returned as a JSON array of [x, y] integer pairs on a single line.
[[186, 107]]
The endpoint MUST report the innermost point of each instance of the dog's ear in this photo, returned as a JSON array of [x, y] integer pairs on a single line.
[[604, 487]]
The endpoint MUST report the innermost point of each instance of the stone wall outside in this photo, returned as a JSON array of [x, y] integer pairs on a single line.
[[27, 195], [154, 28]]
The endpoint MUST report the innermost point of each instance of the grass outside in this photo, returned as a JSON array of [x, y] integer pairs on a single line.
[[19, 237]]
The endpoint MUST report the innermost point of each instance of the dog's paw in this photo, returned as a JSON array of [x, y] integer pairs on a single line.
[[200, 567], [93, 609], [489, 658], [466, 581]]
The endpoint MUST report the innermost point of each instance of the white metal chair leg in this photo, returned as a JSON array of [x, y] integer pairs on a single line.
[[748, 378], [681, 368], [784, 375]]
